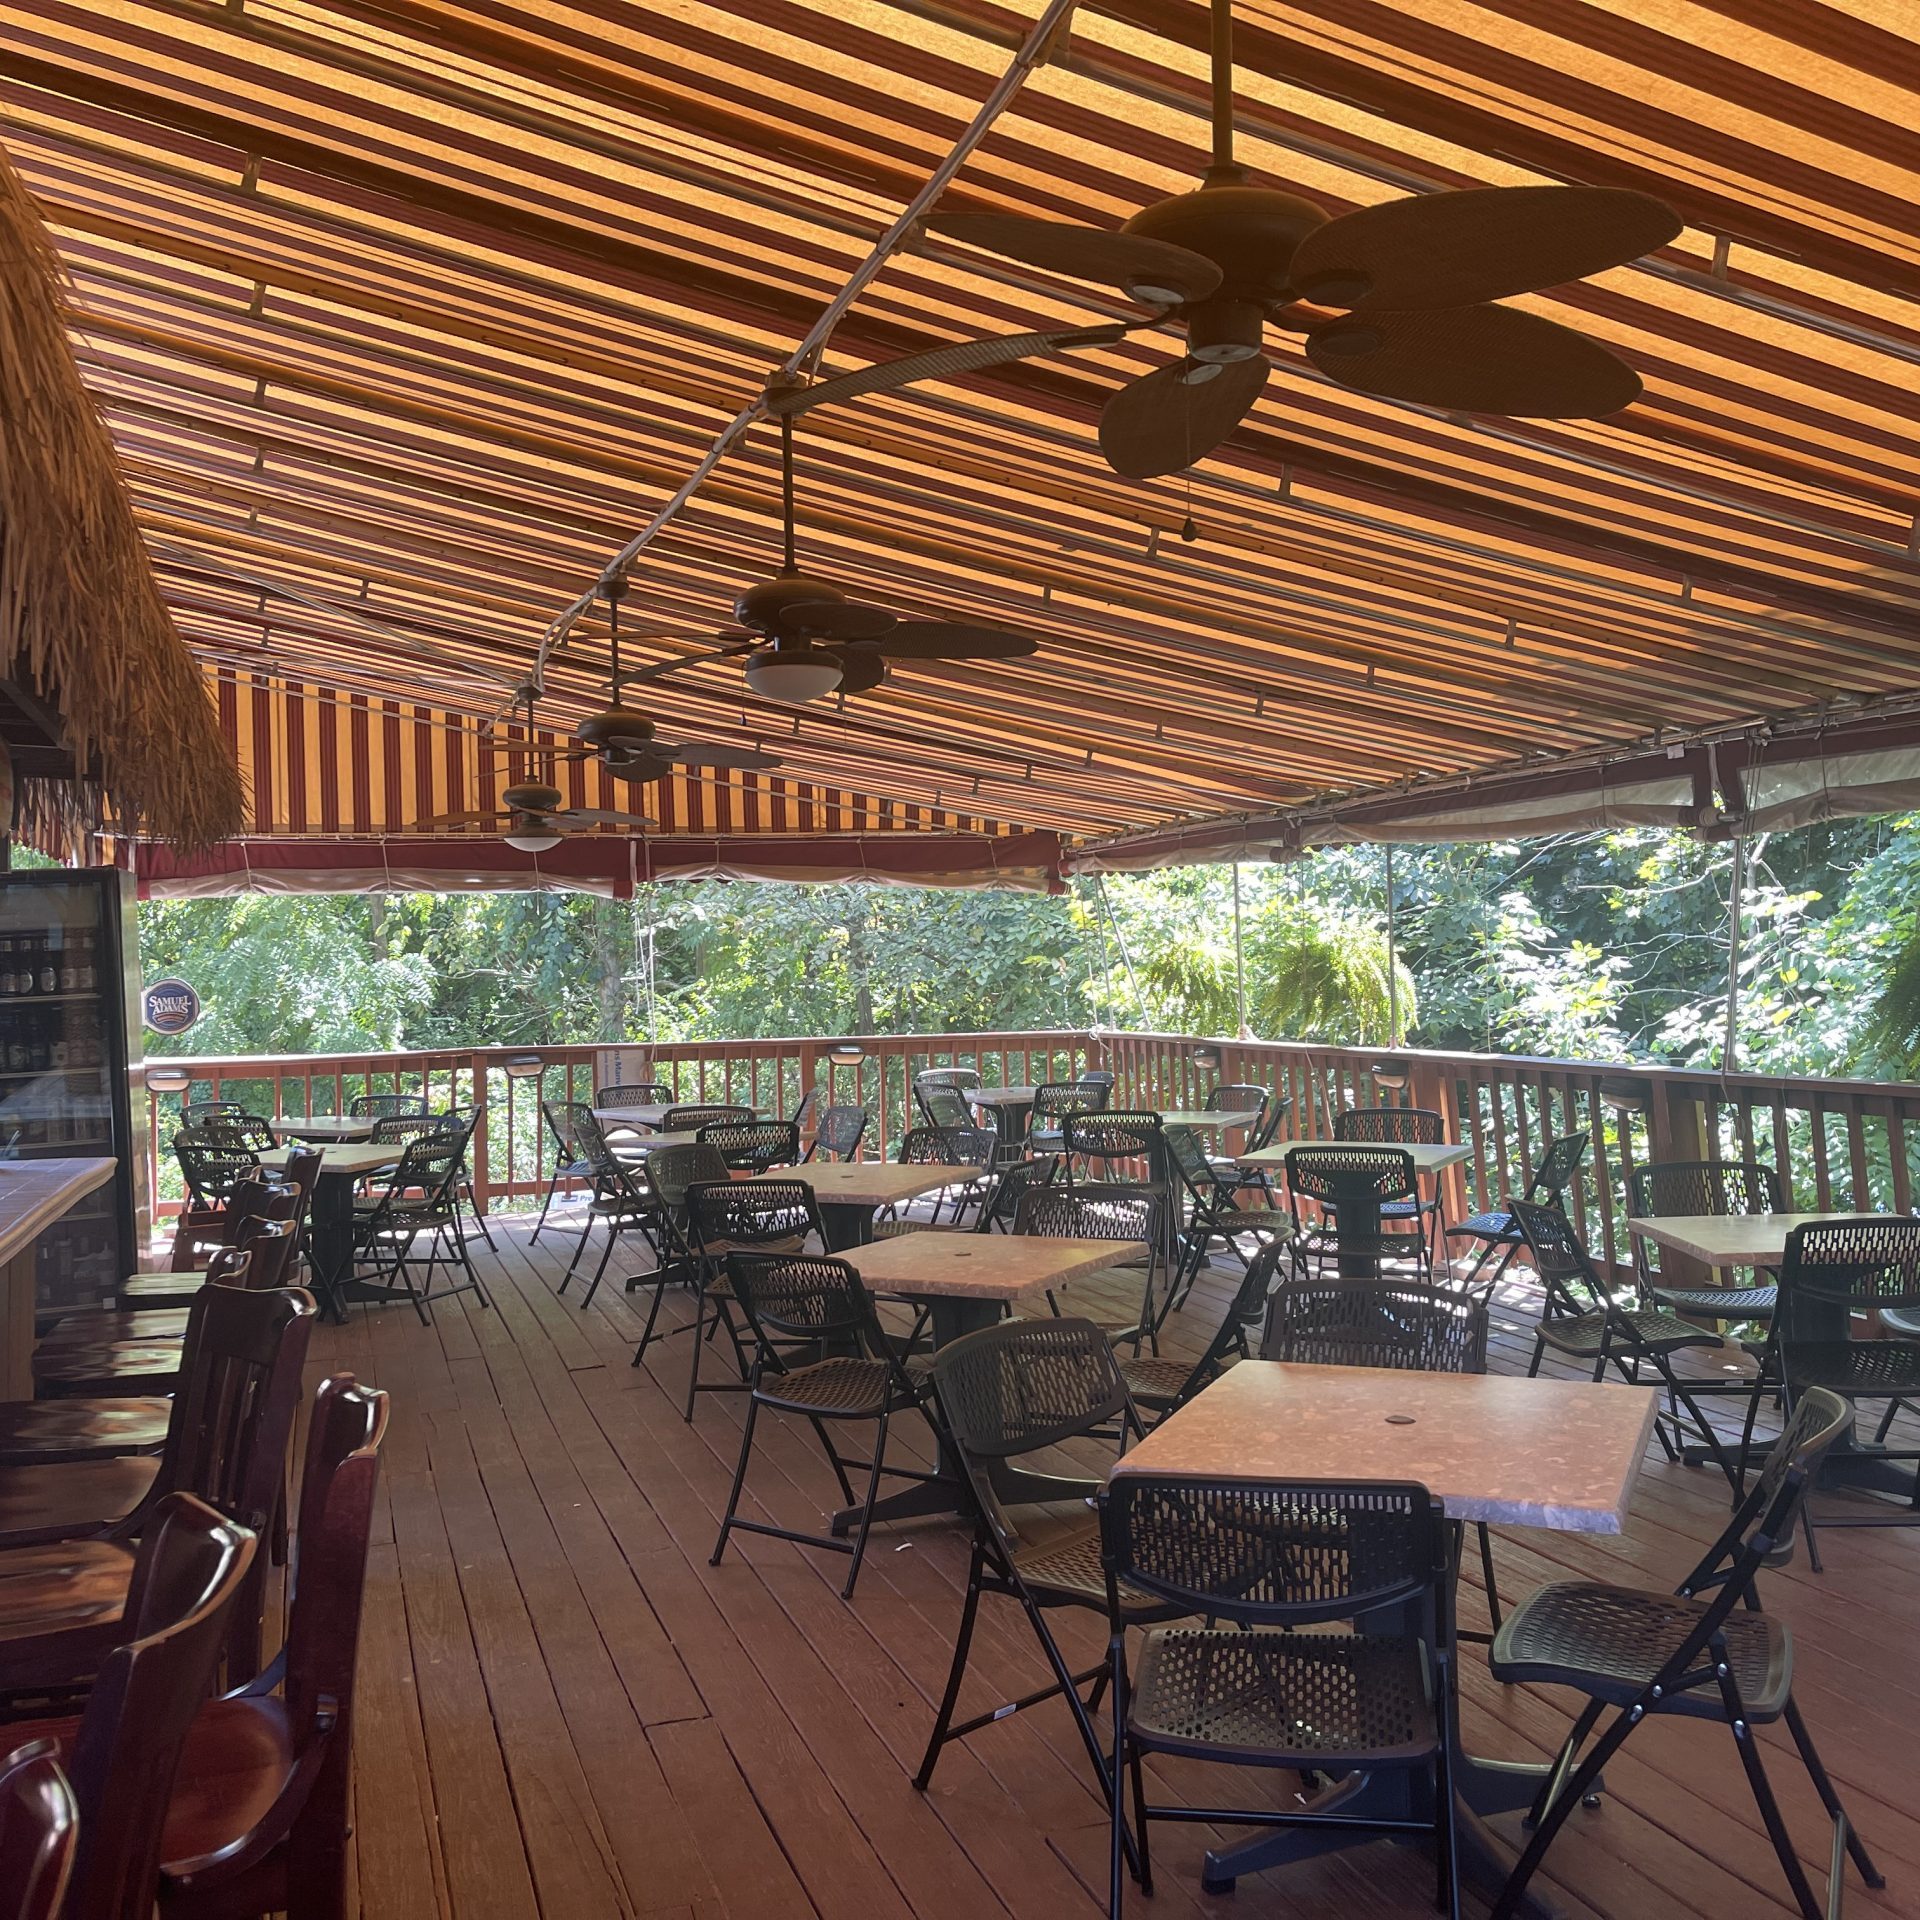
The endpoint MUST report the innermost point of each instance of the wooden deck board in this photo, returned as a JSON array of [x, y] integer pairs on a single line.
[[566, 1710]]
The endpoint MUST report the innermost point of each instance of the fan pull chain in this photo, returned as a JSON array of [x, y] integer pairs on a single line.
[[1222, 37], [1189, 528]]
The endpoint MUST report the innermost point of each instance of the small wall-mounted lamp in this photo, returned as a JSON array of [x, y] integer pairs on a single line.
[[1207, 1054], [523, 1066], [1390, 1076], [1626, 1096], [846, 1053], [168, 1080]]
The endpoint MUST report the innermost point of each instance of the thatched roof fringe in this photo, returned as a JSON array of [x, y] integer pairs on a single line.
[[82, 621]]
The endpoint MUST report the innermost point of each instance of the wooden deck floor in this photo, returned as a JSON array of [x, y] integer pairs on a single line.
[[565, 1712]]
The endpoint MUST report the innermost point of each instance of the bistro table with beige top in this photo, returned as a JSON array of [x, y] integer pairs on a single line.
[[330, 1226], [1555, 1454], [967, 1280], [321, 1129], [1357, 1219], [848, 1191], [33, 1195], [1202, 1117], [651, 1115]]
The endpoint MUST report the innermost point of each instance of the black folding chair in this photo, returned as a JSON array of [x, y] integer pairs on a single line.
[[1345, 1183], [420, 1198], [1834, 1270], [1708, 1651], [847, 1370], [838, 1135], [753, 1146], [672, 1173], [1264, 1563], [622, 1202], [1161, 1386], [1005, 1392], [1498, 1233], [1125, 1215]]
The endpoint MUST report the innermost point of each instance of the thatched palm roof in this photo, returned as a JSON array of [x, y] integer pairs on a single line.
[[84, 630]]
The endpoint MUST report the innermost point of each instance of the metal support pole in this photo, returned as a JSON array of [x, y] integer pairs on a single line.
[[1239, 962], [1730, 1046], [1393, 961], [1120, 940]]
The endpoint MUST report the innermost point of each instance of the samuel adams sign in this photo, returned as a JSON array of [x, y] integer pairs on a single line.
[[169, 1006]]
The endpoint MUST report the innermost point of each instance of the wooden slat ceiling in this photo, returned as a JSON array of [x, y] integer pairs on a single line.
[[422, 307]]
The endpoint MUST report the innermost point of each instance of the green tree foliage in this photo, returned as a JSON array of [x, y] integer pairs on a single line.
[[1598, 945]]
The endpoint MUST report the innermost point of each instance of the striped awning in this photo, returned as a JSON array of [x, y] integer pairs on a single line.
[[408, 313]]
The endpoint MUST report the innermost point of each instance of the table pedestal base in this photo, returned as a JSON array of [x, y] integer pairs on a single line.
[[1482, 1787]]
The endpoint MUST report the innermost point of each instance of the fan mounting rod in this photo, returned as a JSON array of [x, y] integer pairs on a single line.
[[1223, 167]]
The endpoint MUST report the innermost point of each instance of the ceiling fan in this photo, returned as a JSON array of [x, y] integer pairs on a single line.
[[626, 742], [536, 819], [1416, 279], [802, 637]]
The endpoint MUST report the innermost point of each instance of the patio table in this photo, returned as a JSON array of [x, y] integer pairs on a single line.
[[1201, 1117], [1556, 1454], [321, 1128], [848, 1191], [1360, 1220], [968, 1280], [330, 1227]]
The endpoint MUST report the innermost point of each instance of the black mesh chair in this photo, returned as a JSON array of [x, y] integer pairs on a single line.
[[1053, 1103], [1833, 1270], [570, 1162], [838, 1135], [1351, 1189], [195, 1113], [1265, 1563], [461, 1122], [959, 1147], [1582, 1321], [402, 1129], [1399, 1127], [1239, 1096], [1402, 1324], [1126, 1215], [384, 1106], [942, 1104], [845, 1370], [1111, 1145], [1725, 1187], [1006, 1392], [1161, 1386], [739, 1216], [1211, 1211], [1256, 1179], [672, 1173], [1096, 1077], [249, 1132], [211, 1168], [1708, 1651], [961, 1077], [753, 1146], [622, 1201], [635, 1093], [691, 1119], [421, 1198], [1498, 1233]]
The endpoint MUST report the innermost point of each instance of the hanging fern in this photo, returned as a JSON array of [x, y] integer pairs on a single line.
[[1892, 1028]]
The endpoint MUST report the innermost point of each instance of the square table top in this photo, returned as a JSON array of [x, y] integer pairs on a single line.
[[1426, 1158], [1724, 1239], [1204, 1117], [999, 1096], [348, 1159], [652, 1115], [978, 1266], [870, 1183], [1551, 1453], [323, 1126]]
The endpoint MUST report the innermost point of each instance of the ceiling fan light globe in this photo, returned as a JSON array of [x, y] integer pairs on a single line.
[[792, 674], [1150, 295], [1223, 353], [531, 833]]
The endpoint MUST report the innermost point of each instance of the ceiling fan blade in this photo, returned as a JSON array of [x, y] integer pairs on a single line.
[[1476, 360], [942, 363], [638, 767], [716, 753], [861, 668], [1483, 243], [836, 620], [661, 668], [1164, 421], [453, 820], [1147, 269], [597, 817], [949, 640]]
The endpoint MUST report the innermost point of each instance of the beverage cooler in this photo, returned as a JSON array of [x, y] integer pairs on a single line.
[[70, 1063]]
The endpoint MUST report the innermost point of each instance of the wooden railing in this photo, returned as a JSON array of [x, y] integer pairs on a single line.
[[1839, 1145]]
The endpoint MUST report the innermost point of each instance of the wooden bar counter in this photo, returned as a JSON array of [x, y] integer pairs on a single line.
[[33, 1195]]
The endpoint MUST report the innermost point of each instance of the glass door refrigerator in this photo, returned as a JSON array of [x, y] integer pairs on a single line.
[[70, 1063]]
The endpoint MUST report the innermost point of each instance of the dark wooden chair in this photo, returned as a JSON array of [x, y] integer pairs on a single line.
[[259, 1820], [178, 1288], [39, 1829], [61, 1602], [123, 1753]]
